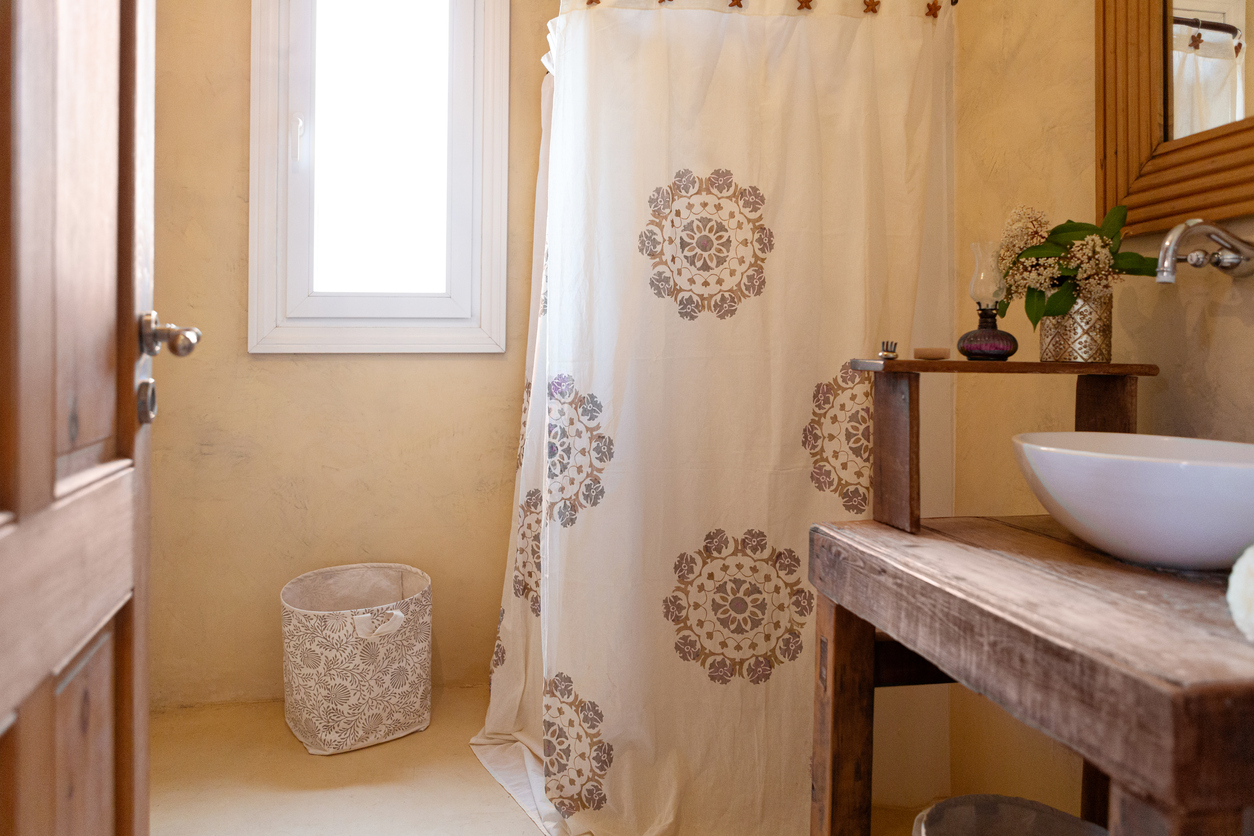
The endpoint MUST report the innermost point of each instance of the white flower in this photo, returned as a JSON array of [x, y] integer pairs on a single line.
[[1026, 227]]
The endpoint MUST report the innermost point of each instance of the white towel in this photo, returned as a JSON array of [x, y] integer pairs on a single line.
[[1241, 593]]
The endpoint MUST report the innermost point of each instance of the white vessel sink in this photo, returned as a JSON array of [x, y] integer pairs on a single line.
[[1179, 503]]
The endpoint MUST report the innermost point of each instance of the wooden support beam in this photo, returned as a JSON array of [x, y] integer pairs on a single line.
[[895, 467], [1095, 795], [1105, 404], [844, 714], [897, 665]]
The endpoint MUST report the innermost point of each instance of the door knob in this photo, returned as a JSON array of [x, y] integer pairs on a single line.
[[152, 334]]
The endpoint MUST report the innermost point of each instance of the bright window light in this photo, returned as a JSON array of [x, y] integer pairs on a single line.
[[380, 146]]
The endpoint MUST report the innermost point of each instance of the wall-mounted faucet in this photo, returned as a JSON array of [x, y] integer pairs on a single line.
[[1234, 256]]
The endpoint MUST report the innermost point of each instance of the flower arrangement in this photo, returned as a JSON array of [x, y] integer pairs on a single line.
[[1050, 268]]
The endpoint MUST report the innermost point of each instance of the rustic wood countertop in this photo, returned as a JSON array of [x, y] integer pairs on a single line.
[[1143, 673]]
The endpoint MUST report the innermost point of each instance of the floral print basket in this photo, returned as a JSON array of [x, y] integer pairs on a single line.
[[356, 655]]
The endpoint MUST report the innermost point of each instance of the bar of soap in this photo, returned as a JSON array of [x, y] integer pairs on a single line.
[[931, 354]]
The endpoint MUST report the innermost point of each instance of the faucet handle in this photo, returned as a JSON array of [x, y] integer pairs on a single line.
[[1197, 258]]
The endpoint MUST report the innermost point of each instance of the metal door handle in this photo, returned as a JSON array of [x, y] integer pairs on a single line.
[[146, 400], [152, 335]]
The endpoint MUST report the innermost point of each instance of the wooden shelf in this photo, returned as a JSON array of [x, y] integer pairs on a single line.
[[1105, 401], [1004, 367]]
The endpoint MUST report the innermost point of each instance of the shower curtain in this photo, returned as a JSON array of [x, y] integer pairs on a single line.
[[736, 197], [1208, 80]]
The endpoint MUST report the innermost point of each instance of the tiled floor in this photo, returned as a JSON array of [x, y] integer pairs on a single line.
[[236, 770]]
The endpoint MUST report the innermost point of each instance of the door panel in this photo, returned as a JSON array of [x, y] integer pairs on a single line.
[[28, 767], [84, 743], [32, 73], [74, 563], [86, 229], [76, 77]]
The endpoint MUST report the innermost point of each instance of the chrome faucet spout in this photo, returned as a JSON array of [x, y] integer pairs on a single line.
[[1233, 255], [1168, 253]]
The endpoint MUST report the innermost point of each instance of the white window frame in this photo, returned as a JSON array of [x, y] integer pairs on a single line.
[[285, 314]]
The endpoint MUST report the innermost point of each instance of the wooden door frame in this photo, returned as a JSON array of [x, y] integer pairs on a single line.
[[136, 247], [136, 216], [1163, 182]]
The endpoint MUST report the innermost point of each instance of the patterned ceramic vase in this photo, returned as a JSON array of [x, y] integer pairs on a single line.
[[1081, 336]]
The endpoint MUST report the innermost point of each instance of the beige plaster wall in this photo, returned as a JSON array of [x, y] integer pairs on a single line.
[[1026, 135], [266, 466]]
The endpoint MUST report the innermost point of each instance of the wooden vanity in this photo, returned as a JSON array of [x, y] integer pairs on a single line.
[[1142, 673]]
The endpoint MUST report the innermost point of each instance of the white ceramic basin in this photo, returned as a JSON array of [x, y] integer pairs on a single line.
[[1180, 503]]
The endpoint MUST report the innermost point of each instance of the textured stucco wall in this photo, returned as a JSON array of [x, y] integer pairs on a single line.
[[1025, 100], [1025, 92], [267, 466]]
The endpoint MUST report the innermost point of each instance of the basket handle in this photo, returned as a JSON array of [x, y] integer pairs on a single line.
[[362, 623]]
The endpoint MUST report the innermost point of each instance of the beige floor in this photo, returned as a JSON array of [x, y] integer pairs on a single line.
[[236, 770]]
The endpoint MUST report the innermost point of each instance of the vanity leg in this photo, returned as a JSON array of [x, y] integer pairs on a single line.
[[1130, 816], [1094, 795], [1105, 403], [895, 466], [844, 713]]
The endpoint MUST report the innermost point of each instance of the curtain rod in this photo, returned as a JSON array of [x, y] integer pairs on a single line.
[[1198, 23]]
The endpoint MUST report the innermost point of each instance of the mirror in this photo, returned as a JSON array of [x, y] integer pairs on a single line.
[[1167, 171], [1208, 65]]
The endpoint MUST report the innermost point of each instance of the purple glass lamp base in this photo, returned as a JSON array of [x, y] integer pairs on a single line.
[[988, 342]]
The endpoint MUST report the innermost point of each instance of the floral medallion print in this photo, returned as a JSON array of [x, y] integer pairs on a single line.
[[522, 434], [544, 283], [498, 655], [739, 607], [577, 451], [341, 691], [575, 757], [707, 242], [527, 555], [838, 438]]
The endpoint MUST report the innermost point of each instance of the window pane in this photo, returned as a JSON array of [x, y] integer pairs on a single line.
[[380, 146]]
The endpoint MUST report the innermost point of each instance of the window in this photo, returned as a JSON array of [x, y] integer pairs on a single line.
[[378, 175]]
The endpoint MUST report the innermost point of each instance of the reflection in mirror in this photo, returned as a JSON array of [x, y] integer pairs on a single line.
[[1208, 64]]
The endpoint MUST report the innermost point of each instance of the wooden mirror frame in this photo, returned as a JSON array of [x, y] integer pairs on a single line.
[[1163, 182]]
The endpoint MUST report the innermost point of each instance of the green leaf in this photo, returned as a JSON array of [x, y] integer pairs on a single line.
[[1067, 238], [1062, 300], [1034, 303], [1068, 271], [1039, 251], [1135, 264], [1002, 307], [1074, 226], [1042, 251], [1115, 220]]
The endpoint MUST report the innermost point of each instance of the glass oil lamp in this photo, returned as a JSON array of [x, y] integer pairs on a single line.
[[988, 342]]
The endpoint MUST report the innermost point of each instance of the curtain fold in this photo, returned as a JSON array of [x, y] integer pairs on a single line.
[[732, 203], [1208, 81]]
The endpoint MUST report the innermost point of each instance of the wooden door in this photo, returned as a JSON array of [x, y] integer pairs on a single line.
[[76, 204]]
